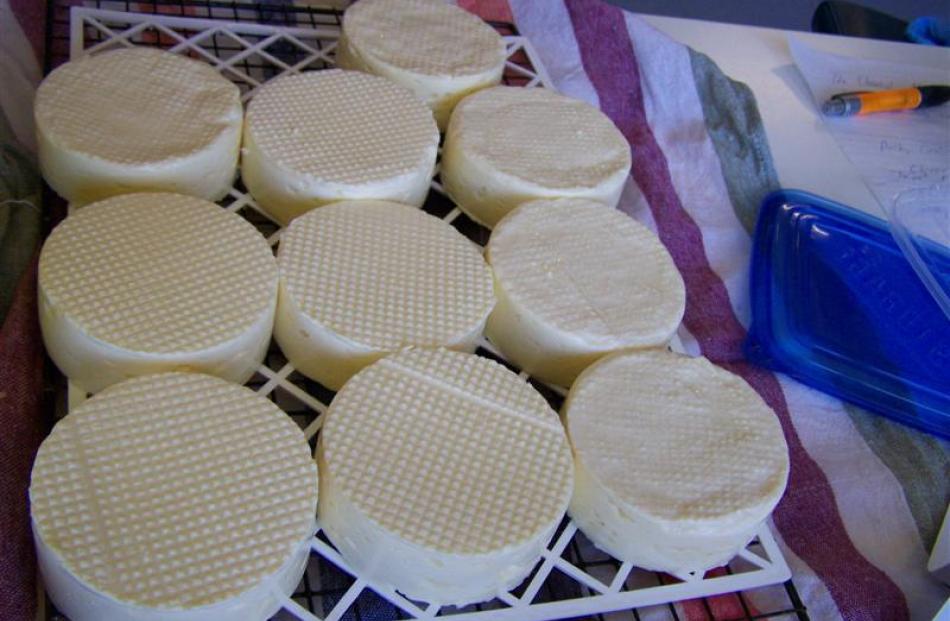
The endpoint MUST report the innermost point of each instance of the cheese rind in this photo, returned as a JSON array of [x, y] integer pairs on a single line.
[[443, 475], [361, 279], [74, 598], [135, 120], [507, 145], [677, 462], [173, 497], [326, 136], [151, 282], [440, 52], [577, 280]]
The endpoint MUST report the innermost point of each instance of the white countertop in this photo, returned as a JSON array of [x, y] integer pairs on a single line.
[[805, 153]]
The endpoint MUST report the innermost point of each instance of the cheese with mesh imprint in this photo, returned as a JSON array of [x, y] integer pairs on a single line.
[[677, 462], [135, 120], [151, 282], [507, 145], [576, 280], [326, 136], [442, 474], [361, 279], [439, 51], [173, 497]]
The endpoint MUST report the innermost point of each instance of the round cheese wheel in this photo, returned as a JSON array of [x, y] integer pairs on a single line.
[[362, 279], [173, 497], [576, 280], [135, 120], [326, 136], [151, 282], [507, 145], [442, 474], [677, 462], [437, 50]]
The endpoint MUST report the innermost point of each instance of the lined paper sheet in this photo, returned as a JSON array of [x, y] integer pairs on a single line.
[[893, 151]]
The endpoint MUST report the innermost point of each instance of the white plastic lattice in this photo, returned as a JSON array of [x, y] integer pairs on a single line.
[[572, 578]]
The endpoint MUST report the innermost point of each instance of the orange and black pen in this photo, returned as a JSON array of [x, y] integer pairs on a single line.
[[848, 104]]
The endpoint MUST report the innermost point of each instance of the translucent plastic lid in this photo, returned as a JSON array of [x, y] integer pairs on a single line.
[[920, 222], [836, 305]]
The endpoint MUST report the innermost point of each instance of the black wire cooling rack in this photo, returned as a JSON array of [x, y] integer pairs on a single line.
[[324, 584]]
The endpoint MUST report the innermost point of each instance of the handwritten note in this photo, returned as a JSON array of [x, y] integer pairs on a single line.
[[893, 151]]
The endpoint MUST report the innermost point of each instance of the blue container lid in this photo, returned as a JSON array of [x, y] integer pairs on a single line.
[[836, 305]]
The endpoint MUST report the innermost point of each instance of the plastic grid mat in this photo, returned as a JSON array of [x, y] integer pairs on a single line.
[[251, 43]]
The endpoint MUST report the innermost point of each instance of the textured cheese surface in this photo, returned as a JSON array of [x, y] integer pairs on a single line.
[[342, 127], [385, 275], [136, 106], [158, 273], [540, 137], [677, 438], [423, 36], [588, 271], [174, 491], [449, 451]]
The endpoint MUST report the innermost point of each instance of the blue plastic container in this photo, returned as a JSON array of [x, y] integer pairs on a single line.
[[836, 305]]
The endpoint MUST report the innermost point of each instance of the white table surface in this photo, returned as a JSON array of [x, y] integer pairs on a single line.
[[805, 153]]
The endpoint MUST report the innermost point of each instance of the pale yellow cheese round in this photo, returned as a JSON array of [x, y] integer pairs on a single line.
[[507, 145], [440, 52], [173, 496], [361, 279], [150, 282], [326, 136], [443, 475], [137, 119], [577, 280], [677, 461]]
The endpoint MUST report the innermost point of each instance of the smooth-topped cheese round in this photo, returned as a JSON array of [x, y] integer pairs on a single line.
[[677, 462], [173, 497], [437, 50], [442, 474], [326, 136], [507, 145], [576, 280], [144, 283], [134, 120], [361, 279]]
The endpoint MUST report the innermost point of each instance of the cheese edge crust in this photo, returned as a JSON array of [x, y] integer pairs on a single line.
[[389, 560], [652, 542], [487, 193], [420, 571], [440, 92], [94, 364], [82, 177], [284, 193], [81, 601], [547, 352], [331, 358]]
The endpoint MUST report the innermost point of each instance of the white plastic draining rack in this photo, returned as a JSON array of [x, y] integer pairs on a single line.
[[572, 578]]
